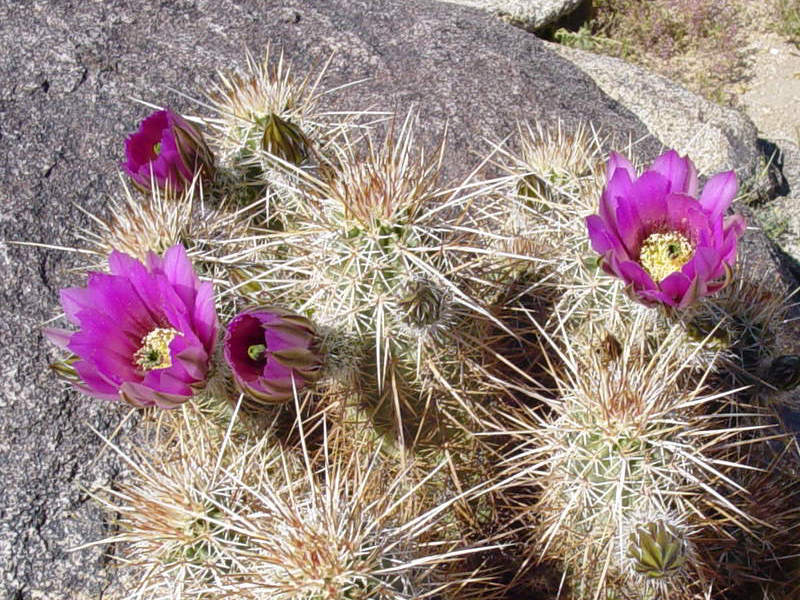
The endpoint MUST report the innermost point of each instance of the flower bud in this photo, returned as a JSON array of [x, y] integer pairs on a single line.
[[656, 550], [423, 303], [784, 372], [167, 151], [285, 140], [271, 352]]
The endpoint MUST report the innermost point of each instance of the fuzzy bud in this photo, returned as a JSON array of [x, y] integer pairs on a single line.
[[423, 304], [703, 329]]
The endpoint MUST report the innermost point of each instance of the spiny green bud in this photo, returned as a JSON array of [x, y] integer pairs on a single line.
[[657, 550], [422, 303], [285, 140], [343, 353], [610, 349], [701, 329], [532, 187], [541, 189], [784, 372]]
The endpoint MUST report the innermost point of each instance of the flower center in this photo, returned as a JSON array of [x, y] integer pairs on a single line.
[[157, 148], [256, 351], [154, 352], [664, 253]]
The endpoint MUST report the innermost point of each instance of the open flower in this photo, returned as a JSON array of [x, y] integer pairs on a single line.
[[146, 332], [167, 151], [667, 246], [271, 352]]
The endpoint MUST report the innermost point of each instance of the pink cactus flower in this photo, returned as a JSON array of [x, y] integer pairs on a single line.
[[667, 246], [146, 332]]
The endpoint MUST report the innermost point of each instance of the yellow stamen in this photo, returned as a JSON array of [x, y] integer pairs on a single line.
[[154, 352], [664, 253]]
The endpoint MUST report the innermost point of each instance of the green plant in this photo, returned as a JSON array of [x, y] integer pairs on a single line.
[[700, 43], [788, 21]]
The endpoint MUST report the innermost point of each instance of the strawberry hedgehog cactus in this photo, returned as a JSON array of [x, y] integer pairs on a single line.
[[359, 381]]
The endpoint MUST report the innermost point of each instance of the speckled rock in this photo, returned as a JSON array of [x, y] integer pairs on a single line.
[[532, 15]]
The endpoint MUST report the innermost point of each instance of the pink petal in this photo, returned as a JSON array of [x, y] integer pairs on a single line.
[[696, 290], [93, 383], [685, 215], [618, 186], [734, 228], [286, 337], [679, 172], [704, 265], [166, 381], [718, 194], [59, 337], [276, 373], [632, 272], [75, 300], [617, 162], [114, 297], [205, 316], [675, 285], [194, 361], [178, 270], [598, 234], [121, 264], [138, 394], [652, 203], [653, 297], [648, 195]]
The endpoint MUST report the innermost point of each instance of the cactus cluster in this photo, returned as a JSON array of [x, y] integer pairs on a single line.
[[428, 389]]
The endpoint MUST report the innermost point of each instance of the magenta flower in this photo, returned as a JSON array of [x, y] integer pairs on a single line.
[[168, 151], [271, 352], [146, 332], [668, 247]]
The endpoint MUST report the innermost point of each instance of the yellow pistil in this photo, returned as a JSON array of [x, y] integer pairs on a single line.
[[256, 351], [664, 253], [154, 352]]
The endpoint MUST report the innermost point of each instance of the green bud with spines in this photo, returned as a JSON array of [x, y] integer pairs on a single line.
[[422, 304], [532, 187], [703, 329], [284, 139], [657, 550], [784, 372]]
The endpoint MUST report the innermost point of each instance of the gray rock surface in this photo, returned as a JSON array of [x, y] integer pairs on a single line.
[[68, 71], [532, 15], [781, 217], [715, 138]]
